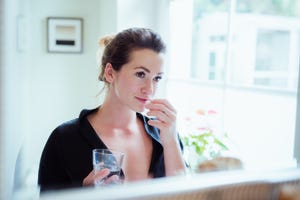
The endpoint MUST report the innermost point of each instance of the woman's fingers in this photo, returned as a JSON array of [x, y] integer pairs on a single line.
[[114, 179], [164, 116], [93, 177], [161, 104], [162, 110]]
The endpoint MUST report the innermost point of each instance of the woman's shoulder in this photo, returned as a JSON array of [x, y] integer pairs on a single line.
[[73, 126], [65, 131], [68, 126]]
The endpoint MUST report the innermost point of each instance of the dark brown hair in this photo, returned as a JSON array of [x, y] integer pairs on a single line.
[[118, 48]]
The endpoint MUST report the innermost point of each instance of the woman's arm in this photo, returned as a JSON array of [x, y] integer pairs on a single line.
[[51, 173], [166, 122]]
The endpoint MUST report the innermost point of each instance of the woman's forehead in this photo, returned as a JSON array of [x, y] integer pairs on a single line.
[[147, 60], [145, 55]]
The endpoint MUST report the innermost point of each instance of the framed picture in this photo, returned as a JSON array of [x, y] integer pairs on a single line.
[[64, 35]]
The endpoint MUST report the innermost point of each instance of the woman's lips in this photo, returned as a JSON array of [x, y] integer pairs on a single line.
[[143, 100]]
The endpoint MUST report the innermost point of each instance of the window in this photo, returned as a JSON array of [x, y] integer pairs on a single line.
[[272, 59], [241, 59]]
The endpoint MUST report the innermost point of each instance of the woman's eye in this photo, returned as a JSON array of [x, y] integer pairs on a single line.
[[157, 78], [140, 74]]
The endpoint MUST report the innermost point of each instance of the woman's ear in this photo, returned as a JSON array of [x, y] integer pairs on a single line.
[[109, 73]]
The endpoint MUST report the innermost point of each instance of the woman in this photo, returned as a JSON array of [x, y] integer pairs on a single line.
[[131, 67]]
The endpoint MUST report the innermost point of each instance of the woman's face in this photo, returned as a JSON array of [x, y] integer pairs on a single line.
[[137, 81]]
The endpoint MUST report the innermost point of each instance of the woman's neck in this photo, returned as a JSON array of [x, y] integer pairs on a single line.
[[116, 115]]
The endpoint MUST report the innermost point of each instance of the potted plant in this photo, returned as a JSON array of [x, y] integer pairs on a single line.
[[200, 137]]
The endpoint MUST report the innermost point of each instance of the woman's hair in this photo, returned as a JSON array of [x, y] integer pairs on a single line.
[[118, 48]]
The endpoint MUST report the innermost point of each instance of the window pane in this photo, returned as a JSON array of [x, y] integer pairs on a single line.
[[270, 7], [272, 50], [244, 66], [210, 27], [264, 66], [272, 58]]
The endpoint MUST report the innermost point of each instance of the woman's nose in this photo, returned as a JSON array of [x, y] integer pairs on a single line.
[[148, 87]]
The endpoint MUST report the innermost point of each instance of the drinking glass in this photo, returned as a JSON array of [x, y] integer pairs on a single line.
[[108, 159]]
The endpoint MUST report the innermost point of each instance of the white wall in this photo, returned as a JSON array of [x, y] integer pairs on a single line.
[[127, 17], [40, 90], [11, 72], [59, 85], [297, 127]]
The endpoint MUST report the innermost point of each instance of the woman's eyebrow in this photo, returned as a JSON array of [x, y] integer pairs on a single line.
[[146, 69], [143, 68]]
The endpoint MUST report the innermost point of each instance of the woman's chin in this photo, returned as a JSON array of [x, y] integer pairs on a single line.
[[143, 110], [140, 109]]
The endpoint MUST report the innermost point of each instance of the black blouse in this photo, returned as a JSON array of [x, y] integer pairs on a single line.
[[67, 156]]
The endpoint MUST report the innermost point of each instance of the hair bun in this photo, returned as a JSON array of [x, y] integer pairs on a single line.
[[103, 42]]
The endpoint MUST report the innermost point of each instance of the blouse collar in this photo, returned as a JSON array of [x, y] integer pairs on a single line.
[[152, 131]]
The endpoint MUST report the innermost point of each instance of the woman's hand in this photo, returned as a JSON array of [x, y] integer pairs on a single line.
[[165, 118]]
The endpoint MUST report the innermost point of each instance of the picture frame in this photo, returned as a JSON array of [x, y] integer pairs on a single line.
[[64, 35]]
